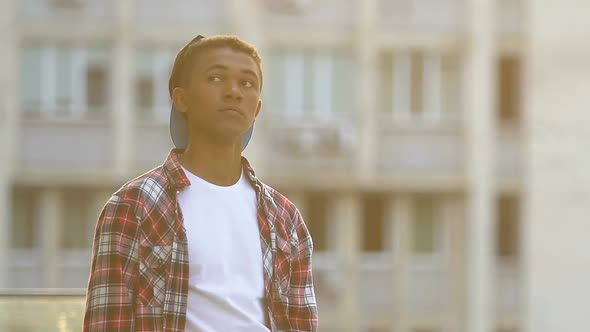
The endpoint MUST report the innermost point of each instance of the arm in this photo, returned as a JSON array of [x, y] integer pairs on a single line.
[[109, 297], [303, 312]]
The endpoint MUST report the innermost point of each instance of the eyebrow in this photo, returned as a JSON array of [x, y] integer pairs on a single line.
[[218, 66]]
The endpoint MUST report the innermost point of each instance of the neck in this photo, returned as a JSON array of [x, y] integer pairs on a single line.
[[220, 164]]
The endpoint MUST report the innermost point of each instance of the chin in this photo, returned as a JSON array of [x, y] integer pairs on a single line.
[[230, 134]]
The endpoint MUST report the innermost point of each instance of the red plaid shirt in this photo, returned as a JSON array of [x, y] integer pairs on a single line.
[[140, 265]]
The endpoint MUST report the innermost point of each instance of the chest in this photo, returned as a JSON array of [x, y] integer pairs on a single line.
[[223, 235]]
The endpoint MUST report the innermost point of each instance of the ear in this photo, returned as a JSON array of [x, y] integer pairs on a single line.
[[258, 108], [179, 100]]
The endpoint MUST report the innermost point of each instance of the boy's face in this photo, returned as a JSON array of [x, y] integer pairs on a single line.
[[222, 99]]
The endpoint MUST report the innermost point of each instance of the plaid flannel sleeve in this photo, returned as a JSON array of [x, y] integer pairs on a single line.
[[109, 296], [303, 312]]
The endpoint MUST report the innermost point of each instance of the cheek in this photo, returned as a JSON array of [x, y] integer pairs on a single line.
[[253, 99], [201, 100], [200, 96]]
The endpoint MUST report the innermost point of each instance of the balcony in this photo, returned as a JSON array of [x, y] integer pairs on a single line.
[[430, 291], [510, 153], [376, 290], [510, 18], [306, 146], [209, 14], [37, 11], [27, 270], [153, 143], [308, 18], [65, 144], [419, 150], [430, 17], [509, 289], [329, 284]]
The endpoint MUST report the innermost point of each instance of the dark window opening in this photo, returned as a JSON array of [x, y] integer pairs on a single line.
[[509, 88], [507, 226], [316, 219], [374, 222]]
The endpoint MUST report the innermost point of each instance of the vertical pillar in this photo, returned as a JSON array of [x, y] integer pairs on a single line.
[[348, 213], [366, 48], [123, 111], [8, 126], [480, 168], [557, 182], [402, 214], [455, 216], [49, 235], [5, 230]]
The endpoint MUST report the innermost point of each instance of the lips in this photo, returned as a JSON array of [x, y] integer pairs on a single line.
[[232, 110]]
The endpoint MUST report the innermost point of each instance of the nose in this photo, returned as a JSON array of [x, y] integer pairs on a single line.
[[233, 90]]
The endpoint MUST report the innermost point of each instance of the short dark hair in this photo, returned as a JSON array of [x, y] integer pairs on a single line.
[[186, 56]]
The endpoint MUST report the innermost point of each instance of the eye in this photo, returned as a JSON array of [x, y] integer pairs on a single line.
[[248, 84], [214, 78]]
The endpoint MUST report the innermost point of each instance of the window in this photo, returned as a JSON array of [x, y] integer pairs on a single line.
[[145, 93], [96, 80], [152, 72], [64, 94], [287, 6], [451, 87], [309, 82], [66, 4], [316, 219], [374, 223], [424, 234], [420, 86], [60, 81], [509, 88], [25, 204], [30, 82], [417, 84], [507, 226], [274, 87], [96, 87]]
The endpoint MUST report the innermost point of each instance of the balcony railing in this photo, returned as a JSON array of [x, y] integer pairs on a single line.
[[422, 15], [301, 147], [181, 12], [335, 16], [434, 150], [57, 10], [66, 144]]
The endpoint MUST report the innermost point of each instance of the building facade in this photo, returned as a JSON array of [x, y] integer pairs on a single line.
[[396, 126]]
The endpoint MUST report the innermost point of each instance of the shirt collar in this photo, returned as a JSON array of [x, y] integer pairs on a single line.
[[179, 181]]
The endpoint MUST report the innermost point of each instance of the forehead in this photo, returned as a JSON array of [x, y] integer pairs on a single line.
[[226, 57]]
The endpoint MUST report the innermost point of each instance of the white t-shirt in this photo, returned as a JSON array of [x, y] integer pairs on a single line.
[[226, 283]]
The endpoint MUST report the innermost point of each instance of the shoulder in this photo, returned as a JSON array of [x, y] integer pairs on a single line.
[[279, 201], [145, 189], [124, 210], [288, 214]]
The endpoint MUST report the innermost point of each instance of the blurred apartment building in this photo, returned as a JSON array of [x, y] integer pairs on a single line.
[[380, 120]]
